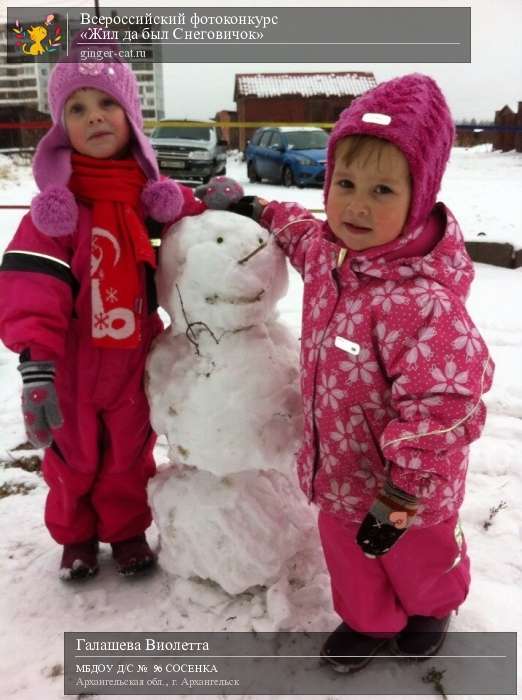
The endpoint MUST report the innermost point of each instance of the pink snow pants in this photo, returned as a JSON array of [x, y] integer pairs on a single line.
[[420, 575], [101, 459]]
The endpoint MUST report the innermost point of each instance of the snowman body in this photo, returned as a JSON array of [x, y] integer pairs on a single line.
[[222, 382]]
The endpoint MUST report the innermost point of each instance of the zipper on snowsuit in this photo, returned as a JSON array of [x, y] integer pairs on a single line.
[[335, 275]]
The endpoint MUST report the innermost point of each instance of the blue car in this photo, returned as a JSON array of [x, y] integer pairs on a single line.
[[287, 155]]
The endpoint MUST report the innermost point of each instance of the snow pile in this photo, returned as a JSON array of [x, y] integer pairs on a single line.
[[497, 216], [16, 183], [248, 525], [6, 167], [223, 386]]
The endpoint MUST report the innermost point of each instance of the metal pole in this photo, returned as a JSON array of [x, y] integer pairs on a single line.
[[97, 8]]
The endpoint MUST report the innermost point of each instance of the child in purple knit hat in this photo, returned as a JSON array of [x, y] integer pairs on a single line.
[[78, 305], [393, 372]]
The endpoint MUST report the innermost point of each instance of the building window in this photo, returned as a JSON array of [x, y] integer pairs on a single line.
[[31, 94]]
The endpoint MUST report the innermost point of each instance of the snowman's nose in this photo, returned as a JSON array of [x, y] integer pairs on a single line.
[[251, 255]]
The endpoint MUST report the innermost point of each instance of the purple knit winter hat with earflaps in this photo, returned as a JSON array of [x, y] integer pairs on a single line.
[[54, 211], [411, 113]]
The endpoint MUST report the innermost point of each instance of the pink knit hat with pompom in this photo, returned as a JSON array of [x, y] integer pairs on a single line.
[[54, 210], [411, 113]]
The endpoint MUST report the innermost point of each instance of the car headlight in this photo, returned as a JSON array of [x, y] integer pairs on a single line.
[[305, 161], [200, 155]]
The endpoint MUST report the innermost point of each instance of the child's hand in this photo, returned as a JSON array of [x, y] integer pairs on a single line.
[[389, 517], [39, 402], [249, 206]]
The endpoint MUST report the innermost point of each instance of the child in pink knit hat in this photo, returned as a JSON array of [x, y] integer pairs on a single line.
[[392, 372], [78, 304]]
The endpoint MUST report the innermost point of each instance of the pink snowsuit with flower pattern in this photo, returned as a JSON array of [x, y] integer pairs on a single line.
[[392, 375]]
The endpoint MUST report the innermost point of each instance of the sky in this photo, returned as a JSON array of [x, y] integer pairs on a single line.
[[475, 90]]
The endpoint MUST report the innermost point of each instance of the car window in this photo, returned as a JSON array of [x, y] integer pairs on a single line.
[[265, 140], [276, 139], [199, 133], [256, 138], [306, 139]]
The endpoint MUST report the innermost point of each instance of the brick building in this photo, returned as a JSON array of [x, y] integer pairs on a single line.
[[506, 138], [314, 98]]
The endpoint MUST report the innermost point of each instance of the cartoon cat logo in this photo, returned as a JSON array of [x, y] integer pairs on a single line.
[[36, 35], [39, 39]]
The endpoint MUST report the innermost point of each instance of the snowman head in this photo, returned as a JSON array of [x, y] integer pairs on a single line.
[[225, 270]]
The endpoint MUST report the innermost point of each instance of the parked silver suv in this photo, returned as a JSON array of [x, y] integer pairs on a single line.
[[189, 152]]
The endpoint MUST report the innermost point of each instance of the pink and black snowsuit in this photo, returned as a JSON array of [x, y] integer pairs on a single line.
[[101, 459], [392, 375]]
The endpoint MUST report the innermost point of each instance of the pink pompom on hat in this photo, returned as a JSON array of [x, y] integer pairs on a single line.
[[410, 112], [54, 210]]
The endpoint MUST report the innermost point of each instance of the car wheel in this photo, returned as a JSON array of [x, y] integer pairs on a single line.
[[287, 178], [252, 172]]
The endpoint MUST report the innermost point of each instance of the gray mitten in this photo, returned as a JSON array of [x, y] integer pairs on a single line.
[[226, 194], [220, 192], [39, 402]]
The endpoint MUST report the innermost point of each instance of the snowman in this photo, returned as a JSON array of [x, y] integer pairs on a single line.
[[222, 382]]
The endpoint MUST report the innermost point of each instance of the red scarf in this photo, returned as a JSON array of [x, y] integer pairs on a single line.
[[119, 243]]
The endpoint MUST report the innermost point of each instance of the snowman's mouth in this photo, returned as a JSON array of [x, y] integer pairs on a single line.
[[237, 301]]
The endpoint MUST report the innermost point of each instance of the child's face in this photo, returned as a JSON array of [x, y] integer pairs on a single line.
[[96, 124], [369, 197]]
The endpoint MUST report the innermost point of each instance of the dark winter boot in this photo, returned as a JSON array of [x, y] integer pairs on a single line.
[[348, 651], [79, 560], [421, 638], [133, 556]]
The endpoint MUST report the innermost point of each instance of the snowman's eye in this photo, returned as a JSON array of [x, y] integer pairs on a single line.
[[260, 241], [220, 239]]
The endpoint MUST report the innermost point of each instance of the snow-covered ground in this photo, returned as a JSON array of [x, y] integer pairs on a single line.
[[483, 190]]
